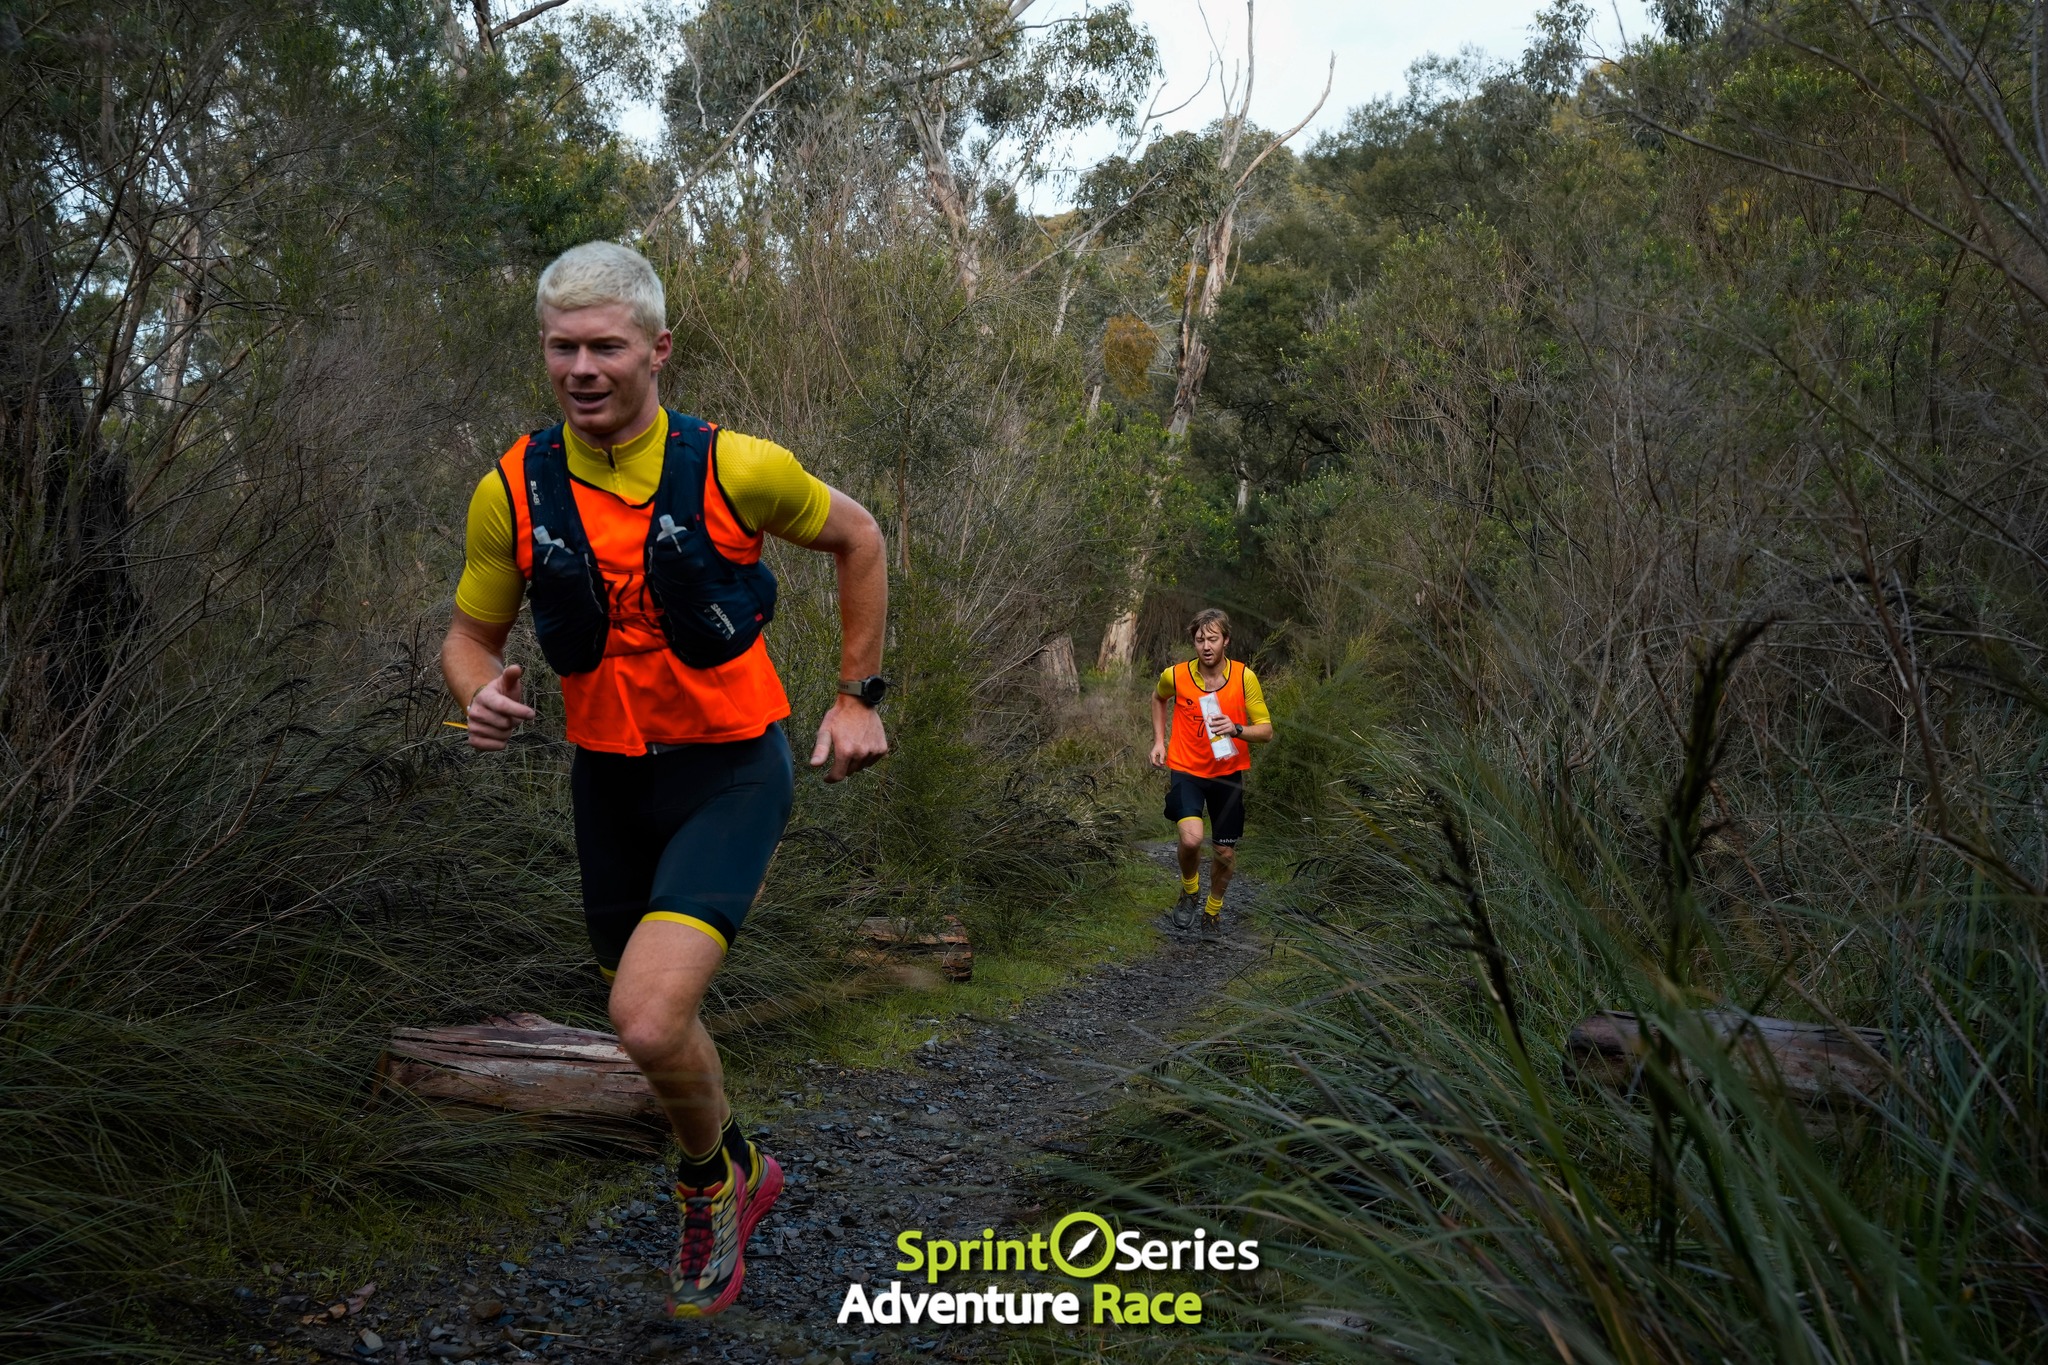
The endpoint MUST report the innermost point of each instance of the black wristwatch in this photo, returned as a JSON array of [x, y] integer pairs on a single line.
[[870, 690]]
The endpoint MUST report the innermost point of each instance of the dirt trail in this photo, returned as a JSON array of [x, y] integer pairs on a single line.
[[951, 1144]]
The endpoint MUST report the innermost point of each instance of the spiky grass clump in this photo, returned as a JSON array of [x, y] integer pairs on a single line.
[[1402, 1126]]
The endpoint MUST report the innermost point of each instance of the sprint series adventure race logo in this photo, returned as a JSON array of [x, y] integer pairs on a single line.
[[1081, 1246]]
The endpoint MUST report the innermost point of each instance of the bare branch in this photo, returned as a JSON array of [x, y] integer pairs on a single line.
[[1155, 115], [952, 68], [1328, 79], [1244, 110], [1227, 85], [1083, 242], [499, 30], [732, 135]]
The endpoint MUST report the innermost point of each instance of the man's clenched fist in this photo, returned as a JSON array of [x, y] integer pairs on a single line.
[[496, 711]]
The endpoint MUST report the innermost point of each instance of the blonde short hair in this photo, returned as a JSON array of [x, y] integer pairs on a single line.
[[604, 272]]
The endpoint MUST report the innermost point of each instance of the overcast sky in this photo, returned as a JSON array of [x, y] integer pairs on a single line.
[[1374, 42]]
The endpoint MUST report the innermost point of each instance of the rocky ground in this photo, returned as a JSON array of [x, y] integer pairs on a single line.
[[954, 1144]]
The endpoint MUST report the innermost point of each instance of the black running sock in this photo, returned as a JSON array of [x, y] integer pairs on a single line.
[[744, 1153], [698, 1172]]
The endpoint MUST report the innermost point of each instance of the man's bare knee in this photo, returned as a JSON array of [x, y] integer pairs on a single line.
[[1226, 856], [652, 1029]]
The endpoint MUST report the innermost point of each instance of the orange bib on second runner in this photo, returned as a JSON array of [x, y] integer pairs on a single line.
[[1187, 748]]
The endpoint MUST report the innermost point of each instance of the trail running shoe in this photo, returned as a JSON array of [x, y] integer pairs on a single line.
[[761, 1197], [1184, 911], [708, 1267], [1212, 926]]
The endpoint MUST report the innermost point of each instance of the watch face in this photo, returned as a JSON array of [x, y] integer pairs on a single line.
[[871, 689]]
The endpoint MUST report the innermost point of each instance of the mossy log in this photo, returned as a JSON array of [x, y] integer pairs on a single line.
[[1810, 1063]]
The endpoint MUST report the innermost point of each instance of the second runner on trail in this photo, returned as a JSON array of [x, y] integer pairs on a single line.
[[1205, 715]]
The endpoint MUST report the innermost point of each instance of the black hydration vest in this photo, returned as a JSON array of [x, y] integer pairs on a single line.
[[712, 610]]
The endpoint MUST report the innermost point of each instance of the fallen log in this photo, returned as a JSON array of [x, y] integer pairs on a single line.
[[955, 953], [1811, 1063], [526, 1064], [522, 1063]]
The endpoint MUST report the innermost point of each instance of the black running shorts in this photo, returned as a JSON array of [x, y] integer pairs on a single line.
[[684, 835], [1187, 794]]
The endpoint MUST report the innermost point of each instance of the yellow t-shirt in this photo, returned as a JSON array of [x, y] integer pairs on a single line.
[[1254, 695], [769, 489]]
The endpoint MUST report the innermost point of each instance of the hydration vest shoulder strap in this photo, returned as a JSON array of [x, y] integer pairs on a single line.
[[566, 587], [712, 609], [685, 464], [550, 502]]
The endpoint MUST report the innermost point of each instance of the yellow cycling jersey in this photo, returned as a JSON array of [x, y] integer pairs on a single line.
[[767, 487], [1254, 695]]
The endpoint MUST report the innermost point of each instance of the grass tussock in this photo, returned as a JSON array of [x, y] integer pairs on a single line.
[[1396, 1115]]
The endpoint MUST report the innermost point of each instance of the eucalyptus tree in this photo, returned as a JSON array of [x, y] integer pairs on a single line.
[[1210, 178], [838, 101], [186, 187]]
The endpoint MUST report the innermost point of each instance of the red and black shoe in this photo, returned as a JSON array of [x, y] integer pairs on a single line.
[[762, 1192], [709, 1266]]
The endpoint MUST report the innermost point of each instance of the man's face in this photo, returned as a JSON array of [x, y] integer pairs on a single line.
[[602, 366], [1210, 642]]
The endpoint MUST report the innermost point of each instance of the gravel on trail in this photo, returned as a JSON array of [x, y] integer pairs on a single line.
[[953, 1143]]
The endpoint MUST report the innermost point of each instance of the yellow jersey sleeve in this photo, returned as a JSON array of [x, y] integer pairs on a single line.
[[1165, 689], [491, 583], [770, 490], [1255, 700]]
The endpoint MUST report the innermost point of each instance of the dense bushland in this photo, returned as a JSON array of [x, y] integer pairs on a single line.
[[1626, 476], [268, 318], [1650, 516]]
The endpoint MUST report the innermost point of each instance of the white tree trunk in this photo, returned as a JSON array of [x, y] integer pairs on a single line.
[[929, 128], [1208, 271], [1119, 643], [1120, 640], [181, 317]]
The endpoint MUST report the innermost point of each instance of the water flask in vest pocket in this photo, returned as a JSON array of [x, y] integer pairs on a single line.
[[1223, 746], [710, 615]]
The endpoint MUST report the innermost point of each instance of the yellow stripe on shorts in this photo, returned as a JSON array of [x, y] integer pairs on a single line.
[[676, 917]]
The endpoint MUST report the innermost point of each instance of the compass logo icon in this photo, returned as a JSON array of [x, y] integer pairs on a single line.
[[1083, 1244]]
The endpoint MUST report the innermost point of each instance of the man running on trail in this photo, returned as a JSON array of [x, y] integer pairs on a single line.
[[635, 533], [1188, 745]]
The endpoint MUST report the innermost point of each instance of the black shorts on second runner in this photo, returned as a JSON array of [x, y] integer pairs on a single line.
[[685, 834], [1186, 794]]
